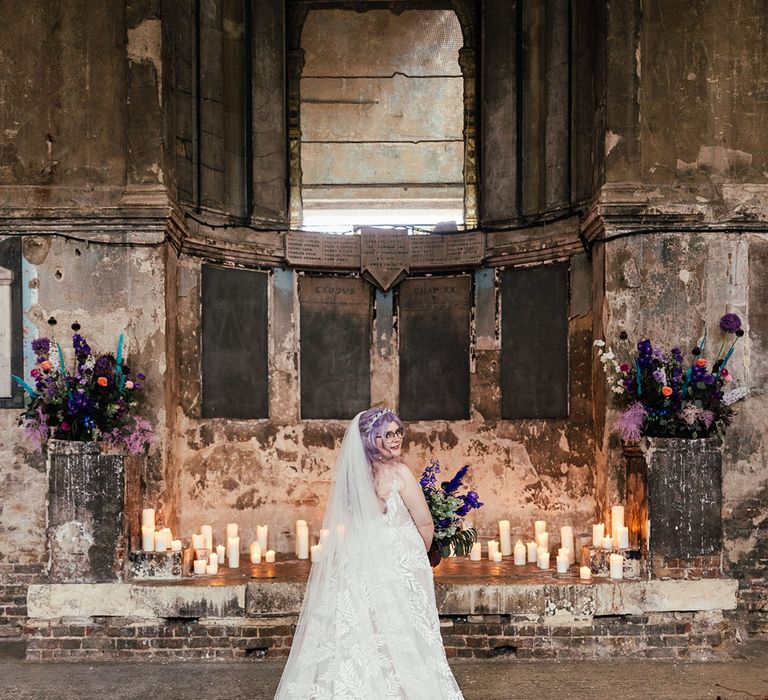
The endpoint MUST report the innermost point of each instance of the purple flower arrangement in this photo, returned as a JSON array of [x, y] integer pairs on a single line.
[[96, 400], [663, 395], [448, 509]]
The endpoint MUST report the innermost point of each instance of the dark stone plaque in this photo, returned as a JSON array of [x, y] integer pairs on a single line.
[[434, 318], [10, 259], [234, 343], [384, 255], [534, 342], [85, 512], [685, 497], [336, 314]]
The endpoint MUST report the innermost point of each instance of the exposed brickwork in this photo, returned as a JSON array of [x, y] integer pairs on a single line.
[[14, 580], [669, 636], [694, 569]]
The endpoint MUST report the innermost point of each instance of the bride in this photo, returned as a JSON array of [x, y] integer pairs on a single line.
[[369, 627]]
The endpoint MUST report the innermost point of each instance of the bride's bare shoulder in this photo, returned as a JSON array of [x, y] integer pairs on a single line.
[[404, 472]]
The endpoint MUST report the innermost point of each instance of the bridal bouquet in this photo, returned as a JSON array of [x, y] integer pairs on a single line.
[[95, 400], [663, 395], [448, 509]]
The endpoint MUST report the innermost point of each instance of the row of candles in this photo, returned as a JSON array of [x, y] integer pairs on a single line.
[[208, 561], [537, 551]]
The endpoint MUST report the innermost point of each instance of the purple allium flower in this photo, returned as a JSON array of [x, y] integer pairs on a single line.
[[677, 355], [41, 346], [80, 345], [730, 323], [139, 376], [630, 422]]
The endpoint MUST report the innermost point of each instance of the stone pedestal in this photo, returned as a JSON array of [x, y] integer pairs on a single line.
[[684, 505], [86, 492]]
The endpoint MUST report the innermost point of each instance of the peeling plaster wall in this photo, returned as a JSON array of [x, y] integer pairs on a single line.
[[275, 471], [661, 287], [109, 291]]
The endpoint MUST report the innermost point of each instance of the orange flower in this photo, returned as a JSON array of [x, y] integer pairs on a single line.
[[666, 390], [102, 381], [45, 366], [701, 362]]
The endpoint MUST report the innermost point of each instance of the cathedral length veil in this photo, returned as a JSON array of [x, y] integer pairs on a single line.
[[349, 639]]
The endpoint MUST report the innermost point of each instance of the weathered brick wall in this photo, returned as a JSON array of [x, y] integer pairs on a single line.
[[689, 636], [14, 580]]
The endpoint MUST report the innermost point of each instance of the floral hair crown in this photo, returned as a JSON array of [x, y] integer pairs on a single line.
[[378, 415]]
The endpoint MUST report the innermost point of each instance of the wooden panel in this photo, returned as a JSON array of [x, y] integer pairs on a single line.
[[10, 259], [434, 318], [558, 119], [588, 110], [534, 342], [336, 315], [498, 115], [234, 343], [270, 140]]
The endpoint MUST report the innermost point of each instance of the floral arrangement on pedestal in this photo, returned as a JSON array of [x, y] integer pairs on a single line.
[[96, 400], [662, 395], [448, 509]]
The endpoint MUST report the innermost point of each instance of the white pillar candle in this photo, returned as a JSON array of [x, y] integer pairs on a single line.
[[198, 541], [148, 518], [607, 543], [299, 524], [255, 552], [566, 538], [617, 566], [623, 538], [497, 558], [314, 552], [269, 557], [505, 538], [221, 551], [323, 535], [562, 563], [148, 538], [476, 553], [539, 526], [598, 532], [232, 530], [302, 540], [160, 541], [207, 532], [213, 558], [585, 573], [199, 566], [233, 552], [542, 540], [175, 545], [493, 547], [262, 532], [531, 547], [211, 569], [617, 521], [543, 560], [520, 553]]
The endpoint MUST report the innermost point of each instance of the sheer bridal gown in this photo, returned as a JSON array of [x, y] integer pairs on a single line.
[[369, 626]]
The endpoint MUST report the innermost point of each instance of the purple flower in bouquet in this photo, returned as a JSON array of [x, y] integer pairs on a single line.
[[629, 424], [448, 507], [41, 347]]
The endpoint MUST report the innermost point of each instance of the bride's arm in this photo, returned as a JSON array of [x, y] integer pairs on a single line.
[[412, 496]]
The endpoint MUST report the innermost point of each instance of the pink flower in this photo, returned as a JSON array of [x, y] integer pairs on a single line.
[[624, 367], [129, 384]]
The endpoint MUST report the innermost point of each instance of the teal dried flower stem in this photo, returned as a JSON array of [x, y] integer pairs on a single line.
[[118, 362], [24, 386], [639, 378], [729, 353]]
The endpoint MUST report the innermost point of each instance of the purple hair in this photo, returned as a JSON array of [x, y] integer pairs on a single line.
[[372, 424]]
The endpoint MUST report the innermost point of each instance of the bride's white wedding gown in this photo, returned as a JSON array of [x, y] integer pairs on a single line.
[[375, 633]]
